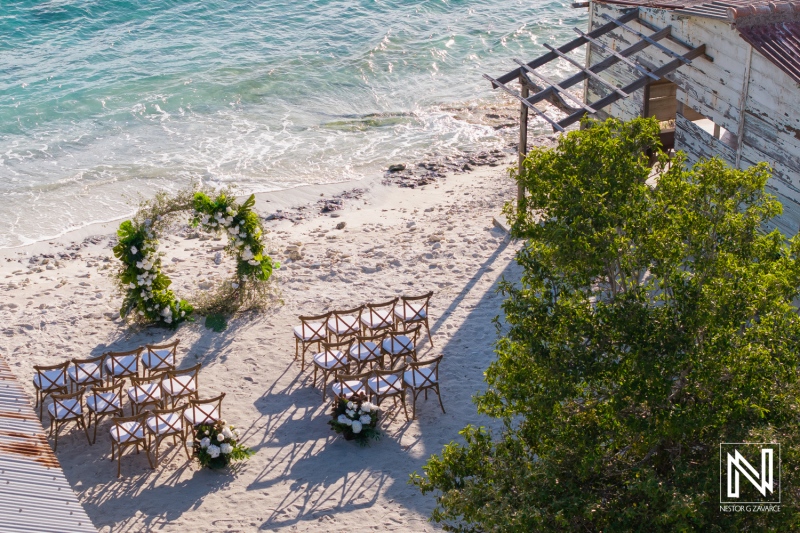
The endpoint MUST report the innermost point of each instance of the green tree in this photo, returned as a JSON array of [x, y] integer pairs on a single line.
[[653, 322]]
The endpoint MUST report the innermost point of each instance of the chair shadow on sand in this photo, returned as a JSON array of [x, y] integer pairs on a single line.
[[333, 476], [93, 463], [318, 473], [140, 486]]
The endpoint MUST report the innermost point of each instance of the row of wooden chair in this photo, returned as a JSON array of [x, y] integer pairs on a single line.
[[378, 384], [138, 430], [383, 350], [399, 313], [102, 370]]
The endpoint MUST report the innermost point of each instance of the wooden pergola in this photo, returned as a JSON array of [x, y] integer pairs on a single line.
[[532, 93]]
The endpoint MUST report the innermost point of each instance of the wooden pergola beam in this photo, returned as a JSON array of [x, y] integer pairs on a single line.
[[637, 84], [618, 55], [572, 45], [556, 87], [524, 101], [588, 71], [670, 37], [601, 66], [644, 37]]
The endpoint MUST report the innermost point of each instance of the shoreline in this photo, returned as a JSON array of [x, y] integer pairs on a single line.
[[396, 240], [498, 115]]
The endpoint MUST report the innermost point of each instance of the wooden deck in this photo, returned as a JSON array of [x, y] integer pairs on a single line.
[[35, 496]]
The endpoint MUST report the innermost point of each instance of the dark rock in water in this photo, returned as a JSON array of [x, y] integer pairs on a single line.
[[341, 225], [397, 168]]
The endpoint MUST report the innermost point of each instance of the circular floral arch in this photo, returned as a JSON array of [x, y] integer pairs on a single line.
[[147, 296]]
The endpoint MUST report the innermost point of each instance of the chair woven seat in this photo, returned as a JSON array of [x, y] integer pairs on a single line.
[[52, 379], [419, 377], [410, 312], [103, 402], [345, 324], [88, 372], [144, 393], [123, 365], [374, 319], [158, 359], [422, 376], [194, 416], [66, 409], [363, 350], [397, 344], [382, 384], [311, 332], [350, 388], [414, 310], [165, 424], [125, 431], [329, 360], [179, 385]]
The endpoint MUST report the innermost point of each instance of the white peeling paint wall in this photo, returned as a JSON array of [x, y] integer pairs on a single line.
[[770, 125]]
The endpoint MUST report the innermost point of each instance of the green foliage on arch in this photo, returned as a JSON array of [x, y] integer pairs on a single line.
[[147, 297]]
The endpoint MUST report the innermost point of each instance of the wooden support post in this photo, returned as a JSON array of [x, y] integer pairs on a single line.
[[522, 148]]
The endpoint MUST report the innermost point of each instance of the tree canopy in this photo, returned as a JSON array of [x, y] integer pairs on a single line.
[[654, 321]]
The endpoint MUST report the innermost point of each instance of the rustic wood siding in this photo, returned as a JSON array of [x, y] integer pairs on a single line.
[[701, 143], [771, 127]]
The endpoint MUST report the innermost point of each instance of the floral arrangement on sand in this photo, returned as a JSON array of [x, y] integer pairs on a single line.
[[147, 297], [355, 418], [217, 445]]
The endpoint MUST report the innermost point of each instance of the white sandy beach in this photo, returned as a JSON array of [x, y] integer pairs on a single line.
[[303, 478]]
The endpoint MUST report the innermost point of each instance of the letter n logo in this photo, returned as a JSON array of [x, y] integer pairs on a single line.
[[762, 483]]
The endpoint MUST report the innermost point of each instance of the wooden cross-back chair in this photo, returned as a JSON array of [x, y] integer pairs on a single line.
[[103, 402], [387, 384], [159, 357], [86, 372], [423, 376], [67, 408], [129, 431], [399, 345], [348, 385], [378, 317], [168, 423], [203, 411], [333, 358], [179, 384], [123, 364], [414, 310], [344, 324], [311, 331], [49, 380], [146, 392], [366, 351]]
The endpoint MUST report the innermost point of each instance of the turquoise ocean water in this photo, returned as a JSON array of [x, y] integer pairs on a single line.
[[101, 100]]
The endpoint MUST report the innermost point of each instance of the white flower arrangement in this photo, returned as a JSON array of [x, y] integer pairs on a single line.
[[217, 445], [355, 418], [213, 451]]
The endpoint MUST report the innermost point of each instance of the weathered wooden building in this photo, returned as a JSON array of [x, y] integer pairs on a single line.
[[723, 79]]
